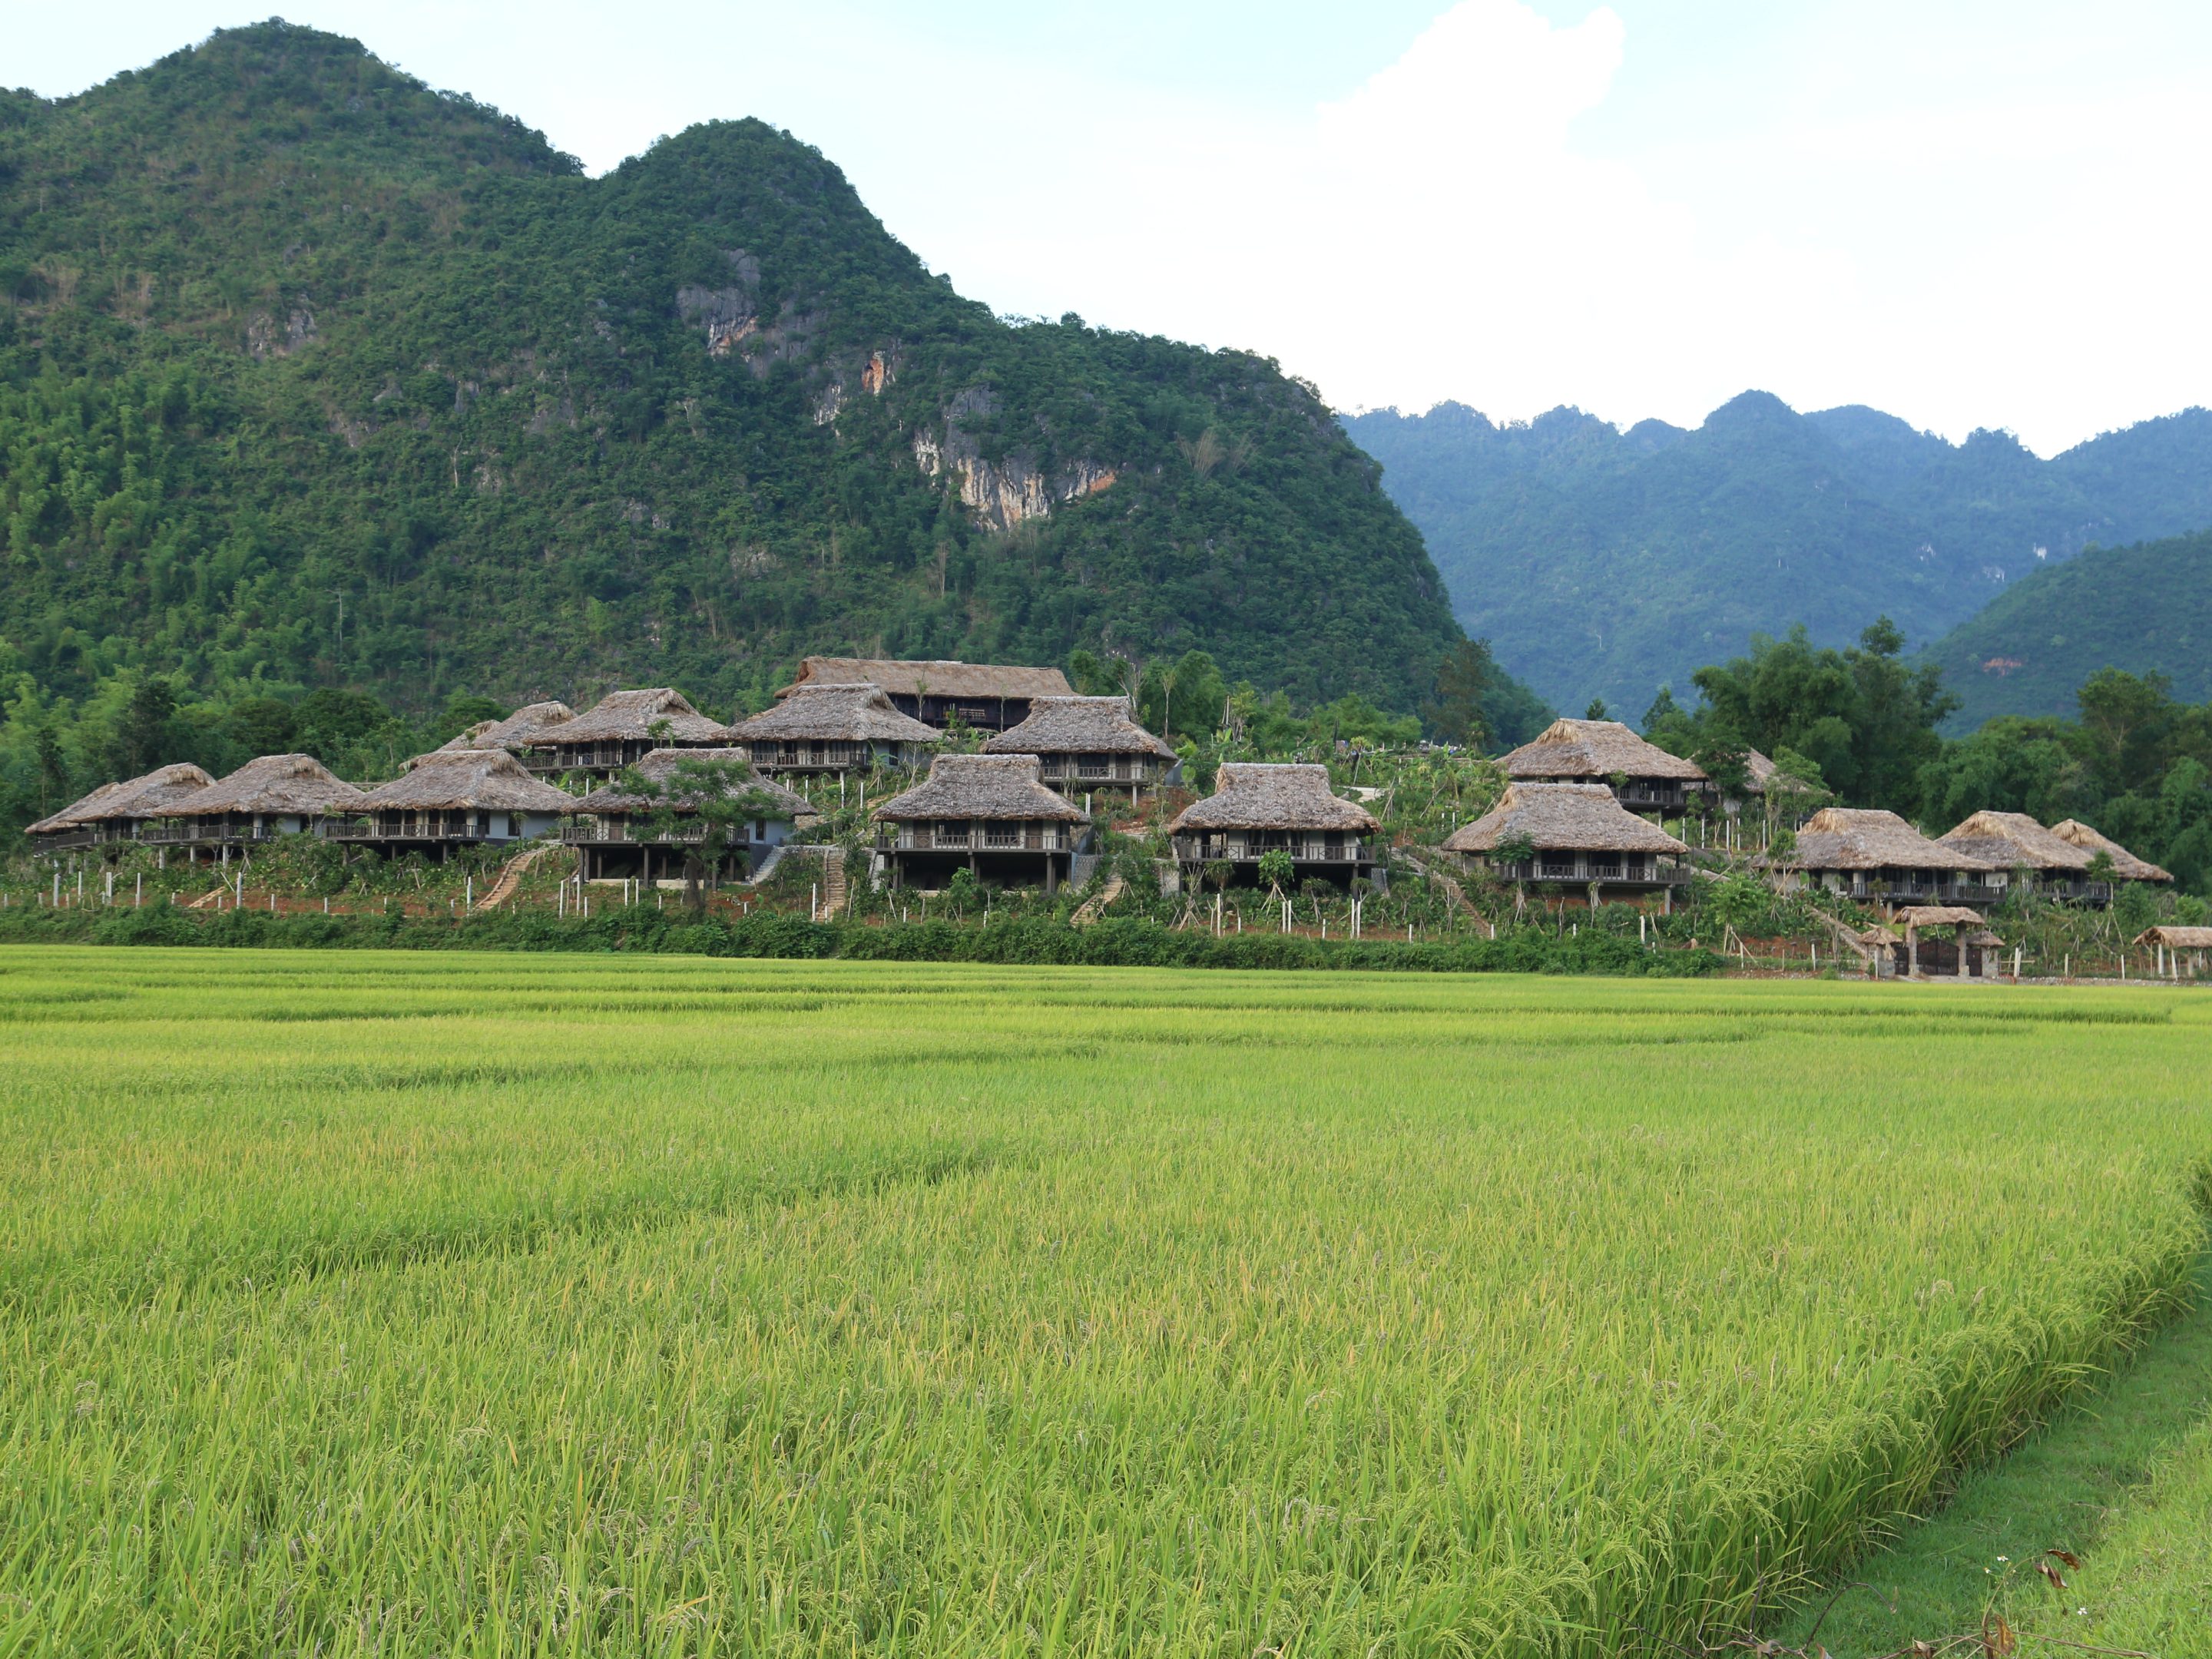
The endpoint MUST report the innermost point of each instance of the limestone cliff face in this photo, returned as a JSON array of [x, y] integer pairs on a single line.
[[1005, 492]]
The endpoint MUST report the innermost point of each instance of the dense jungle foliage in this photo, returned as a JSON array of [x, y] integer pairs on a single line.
[[1604, 563], [312, 377]]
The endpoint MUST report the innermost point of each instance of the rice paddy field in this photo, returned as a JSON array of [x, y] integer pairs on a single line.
[[440, 1304]]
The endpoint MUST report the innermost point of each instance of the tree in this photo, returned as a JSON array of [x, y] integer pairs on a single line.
[[719, 797], [1596, 710], [261, 725], [1277, 868], [147, 736], [1464, 680]]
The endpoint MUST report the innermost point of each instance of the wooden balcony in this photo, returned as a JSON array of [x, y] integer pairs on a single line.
[[1251, 846], [424, 828], [984, 838], [1582, 869]]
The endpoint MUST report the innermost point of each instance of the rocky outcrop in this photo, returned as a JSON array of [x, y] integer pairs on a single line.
[[1005, 492], [729, 315]]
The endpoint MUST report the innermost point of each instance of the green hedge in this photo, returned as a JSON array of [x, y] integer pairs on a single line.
[[1109, 944]]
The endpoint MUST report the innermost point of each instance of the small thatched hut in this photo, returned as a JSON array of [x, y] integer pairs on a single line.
[[1969, 952], [1876, 857], [833, 728], [453, 798], [275, 795], [620, 730], [1256, 809], [653, 834], [1576, 833], [2126, 867], [990, 814], [2047, 861], [1088, 744], [118, 812], [987, 696], [1643, 776], [2176, 950]]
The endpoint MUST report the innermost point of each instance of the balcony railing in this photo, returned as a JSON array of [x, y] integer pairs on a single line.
[[1924, 891], [172, 832], [621, 832], [1583, 870], [1250, 849], [986, 837], [427, 827], [1099, 768]]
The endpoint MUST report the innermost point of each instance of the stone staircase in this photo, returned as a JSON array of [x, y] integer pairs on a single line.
[[834, 892], [510, 877], [1094, 907]]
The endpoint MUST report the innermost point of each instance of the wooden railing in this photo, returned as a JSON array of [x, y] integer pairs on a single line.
[[1585, 869], [986, 837], [1302, 849], [432, 827], [1098, 768]]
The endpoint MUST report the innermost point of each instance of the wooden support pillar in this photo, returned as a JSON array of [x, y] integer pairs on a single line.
[[1911, 952]]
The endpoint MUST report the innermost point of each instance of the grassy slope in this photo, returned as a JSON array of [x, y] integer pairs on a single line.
[[830, 1307], [2144, 609], [281, 328]]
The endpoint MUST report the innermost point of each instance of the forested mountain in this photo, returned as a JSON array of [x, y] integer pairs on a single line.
[[2146, 609], [1605, 563], [312, 376]]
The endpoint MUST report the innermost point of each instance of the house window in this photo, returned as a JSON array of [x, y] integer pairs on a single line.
[[1002, 835]]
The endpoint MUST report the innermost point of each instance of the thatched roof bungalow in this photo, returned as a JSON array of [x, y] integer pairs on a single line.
[[274, 795], [2044, 859], [1643, 776], [1087, 743], [833, 728], [1256, 809], [1876, 857], [621, 831], [990, 814], [2126, 867], [620, 730], [518, 731], [1575, 833], [986, 695], [117, 812], [454, 797]]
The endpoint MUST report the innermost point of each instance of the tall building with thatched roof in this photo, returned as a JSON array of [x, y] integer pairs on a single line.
[[2043, 860], [834, 728], [1576, 834], [2126, 867], [988, 697], [117, 813], [1877, 858], [274, 795], [657, 833], [453, 798], [1088, 744], [989, 814], [1258, 808], [620, 730], [1644, 777]]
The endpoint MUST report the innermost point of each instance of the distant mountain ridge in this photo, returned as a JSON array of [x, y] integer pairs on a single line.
[[1605, 563]]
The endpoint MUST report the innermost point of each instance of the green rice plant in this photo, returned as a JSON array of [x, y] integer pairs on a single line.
[[430, 1303]]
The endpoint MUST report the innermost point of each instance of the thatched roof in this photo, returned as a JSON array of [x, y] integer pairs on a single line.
[[1250, 795], [154, 795], [2177, 939], [1563, 818], [2015, 840], [463, 780], [834, 713], [980, 786], [1935, 916], [936, 679], [1864, 838], [1079, 725], [2125, 865], [631, 717], [528, 724], [1758, 771], [279, 785], [1595, 750], [662, 765]]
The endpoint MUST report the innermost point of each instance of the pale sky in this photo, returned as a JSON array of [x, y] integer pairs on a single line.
[[1966, 212]]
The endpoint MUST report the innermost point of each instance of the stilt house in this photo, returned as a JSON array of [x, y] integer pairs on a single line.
[[1644, 777], [275, 795], [834, 729], [1088, 744], [1581, 836], [621, 833], [990, 814], [2045, 862], [620, 730], [1256, 809], [118, 812], [1877, 858], [453, 798], [987, 696]]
